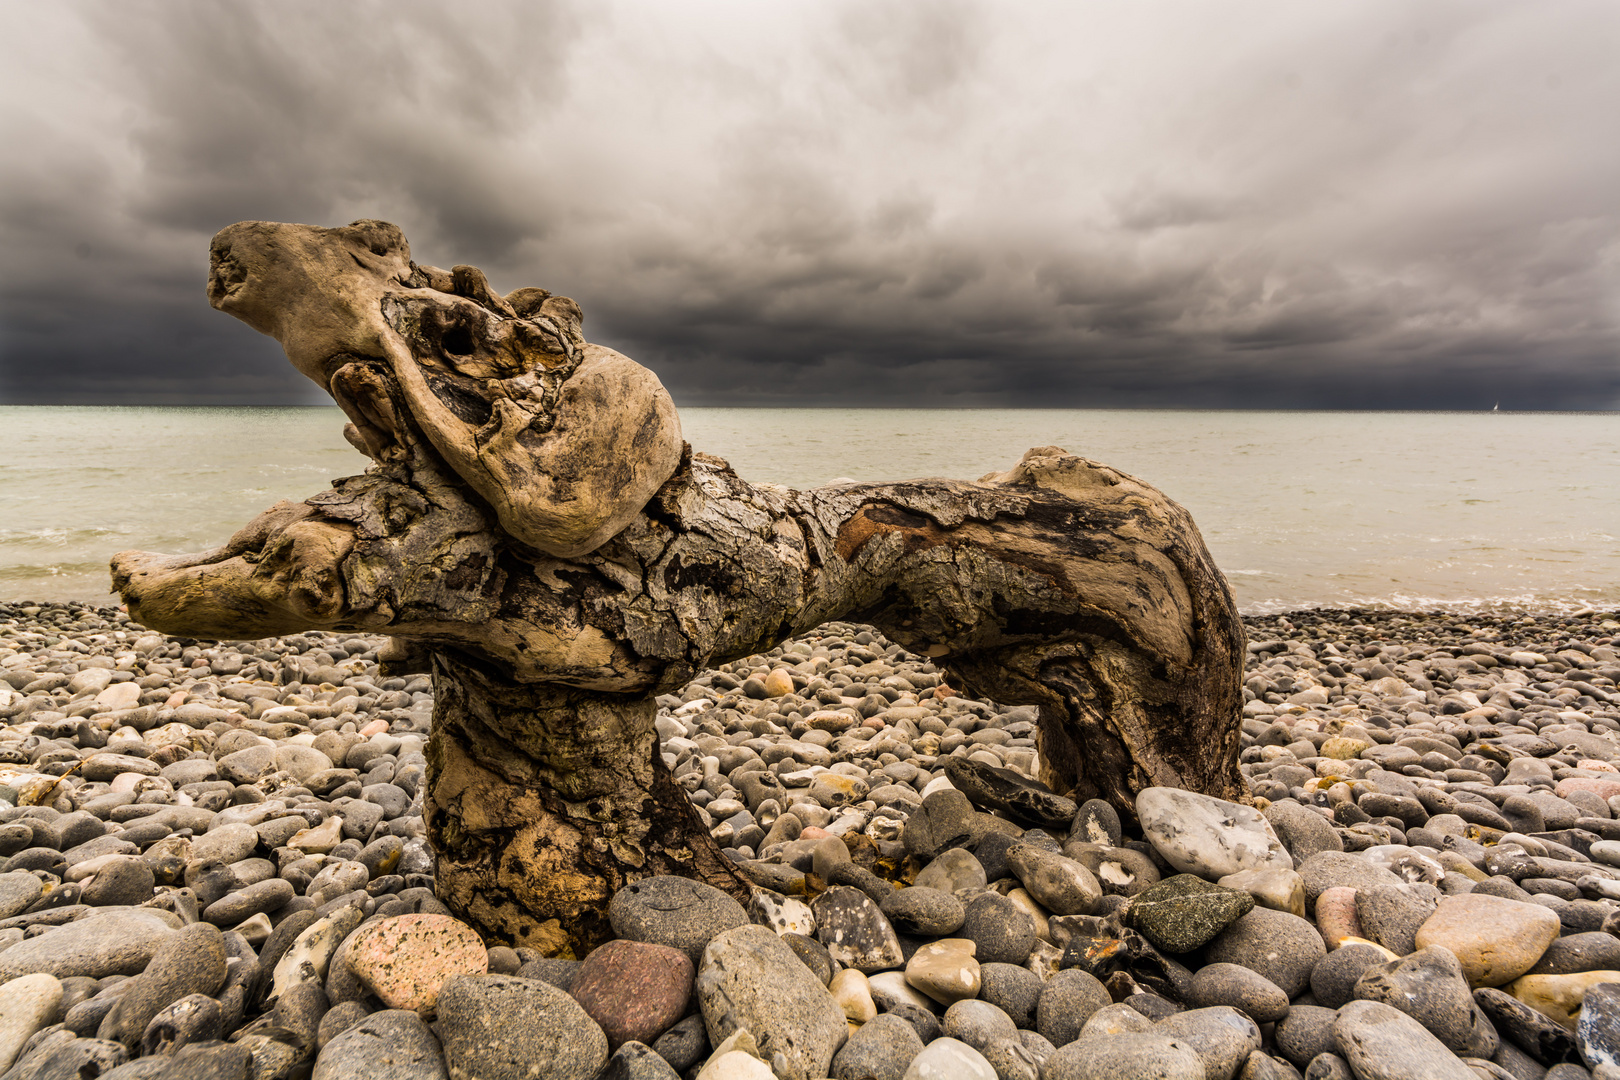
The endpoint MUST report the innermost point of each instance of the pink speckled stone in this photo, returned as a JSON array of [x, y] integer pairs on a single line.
[[1596, 765], [404, 960], [634, 990], [1603, 789]]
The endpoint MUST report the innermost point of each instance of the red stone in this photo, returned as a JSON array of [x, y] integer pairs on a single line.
[[635, 991]]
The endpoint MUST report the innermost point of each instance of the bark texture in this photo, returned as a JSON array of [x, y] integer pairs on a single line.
[[1061, 583]]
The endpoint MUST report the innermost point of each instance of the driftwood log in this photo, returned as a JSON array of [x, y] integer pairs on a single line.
[[534, 529]]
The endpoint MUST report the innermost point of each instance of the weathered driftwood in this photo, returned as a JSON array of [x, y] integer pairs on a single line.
[[534, 527]]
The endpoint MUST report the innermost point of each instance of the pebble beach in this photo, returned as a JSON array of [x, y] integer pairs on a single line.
[[213, 863]]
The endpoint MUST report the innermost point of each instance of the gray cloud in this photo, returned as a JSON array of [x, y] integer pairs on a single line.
[[1367, 204]]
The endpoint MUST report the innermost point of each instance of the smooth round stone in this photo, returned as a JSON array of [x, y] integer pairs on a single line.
[[123, 882], [1429, 987], [18, 889], [1383, 1043], [1242, 989], [1392, 914], [848, 987], [1495, 939], [946, 1057], [813, 953], [1333, 979], [192, 961], [263, 896], [674, 911], [924, 912], [636, 1061], [1003, 933], [944, 820], [1303, 832], [737, 1065], [226, 844], [1061, 885], [881, 1049], [1184, 912], [1281, 947], [1338, 869], [1097, 822], [501, 1025], [1067, 1002], [1306, 1032], [945, 970], [1592, 951], [1210, 837], [1116, 1019], [1014, 990], [951, 871], [1147, 1056], [633, 990], [26, 1004], [1279, 890], [1221, 1036], [1336, 916], [978, 1023], [750, 979], [407, 959], [890, 991]]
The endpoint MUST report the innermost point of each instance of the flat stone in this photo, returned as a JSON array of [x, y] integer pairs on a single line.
[[1247, 991], [1534, 1031], [750, 979], [1125, 1057], [501, 1026], [1558, 997], [1383, 1043], [1185, 912], [1210, 837], [783, 914], [114, 941], [389, 1045], [951, 1058], [1022, 799], [674, 911], [407, 959], [635, 991], [26, 1004], [855, 931], [1335, 869], [1495, 939], [18, 889]]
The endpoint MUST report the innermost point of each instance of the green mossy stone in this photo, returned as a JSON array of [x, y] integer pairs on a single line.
[[1184, 912]]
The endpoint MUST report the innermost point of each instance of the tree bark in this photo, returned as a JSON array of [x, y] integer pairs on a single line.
[[534, 528]]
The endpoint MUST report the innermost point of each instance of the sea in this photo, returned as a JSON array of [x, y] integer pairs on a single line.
[[1406, 510]]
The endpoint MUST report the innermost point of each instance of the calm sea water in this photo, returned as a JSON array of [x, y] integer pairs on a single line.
[[1412, 510]]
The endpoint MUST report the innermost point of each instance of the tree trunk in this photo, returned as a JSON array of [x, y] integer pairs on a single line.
[[534, 524]]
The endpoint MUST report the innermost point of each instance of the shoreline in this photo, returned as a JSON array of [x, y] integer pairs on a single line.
[[238, 791]]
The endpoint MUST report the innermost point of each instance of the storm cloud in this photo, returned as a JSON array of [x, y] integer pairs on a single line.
[[1355, 204]]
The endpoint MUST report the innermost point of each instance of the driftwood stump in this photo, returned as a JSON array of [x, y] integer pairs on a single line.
[[535, 529]]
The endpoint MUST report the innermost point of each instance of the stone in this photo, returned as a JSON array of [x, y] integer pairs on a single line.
[[225, 844], [813, 953], [496, 1026], [1279, 890], [891, 991], [1061, 885], [1210, 837], [1382, 1043], [1392, 914], [991, 788], [192, 961], [1247, 991], [952, 871], [683, 1045], [1333, 869], [1281, 947], [1530, 1029], [945, 1057], [1597, 1029], [1221, 1036], [945, 970], [736, 1065], [268, 895], [635, 991], [1014, 990], [1145, 1056], [1002, 933], [923, 911], [783, 914], [26, 1005], [750, 979], [407, 959], [1303, 832], [112, 941], [1496, 940], [881, 1049], [1429, 986], [636, 1061], [1066, 1003], [1558, 996], [854, 930], [943, 820], [1185, 912], [1096, 822], [848, 987], [194, 1018], [1306, 1032], [1336, 916], [674, 911], [1333, 979], [18, 890]]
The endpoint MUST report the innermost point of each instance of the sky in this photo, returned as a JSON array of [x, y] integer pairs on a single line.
[[1341, 204]]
